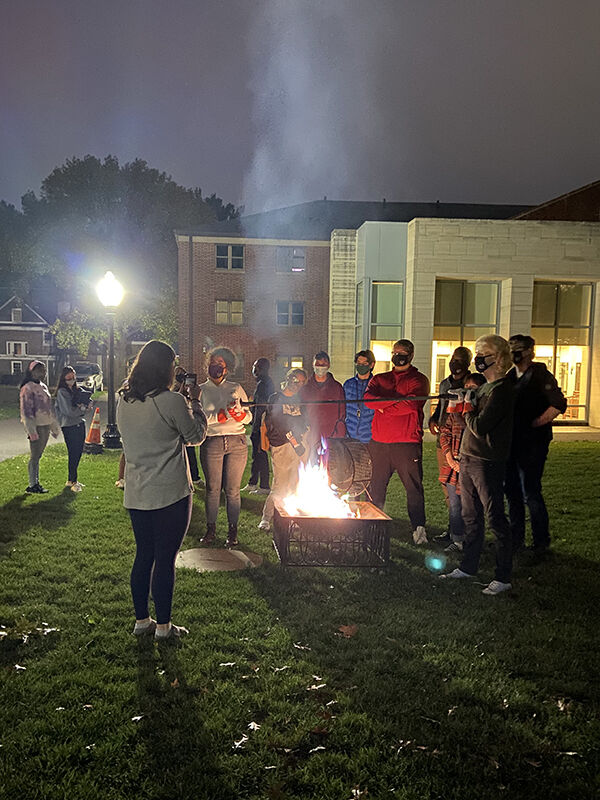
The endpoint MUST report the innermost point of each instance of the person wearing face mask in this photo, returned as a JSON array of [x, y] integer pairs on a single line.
[[287, 424], [38, 418], [325, 421], [71, 405], [484, 451], [397, 434], [538, 401], [259, 471], [224, 452], [358, 416], [459, 370]]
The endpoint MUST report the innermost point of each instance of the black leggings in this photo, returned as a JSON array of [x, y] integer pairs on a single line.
[[158, 536], [74, 439]]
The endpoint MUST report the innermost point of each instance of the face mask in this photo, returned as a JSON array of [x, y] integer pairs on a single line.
[[320, 372], [457, 366], [363, 369], [517, 356], [400, 359], [481, 363], [70, 383], [216, 370]]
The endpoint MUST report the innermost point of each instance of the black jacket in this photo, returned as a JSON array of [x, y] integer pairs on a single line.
[[264, 389], [284, 415], [489, 427], [535, 391]]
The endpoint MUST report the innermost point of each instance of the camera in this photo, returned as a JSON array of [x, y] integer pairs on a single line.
[[82, 396], [190, 378]]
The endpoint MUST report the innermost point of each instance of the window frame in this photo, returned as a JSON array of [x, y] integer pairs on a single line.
[[290, 313], [230, 257], [289, 251], [229, 311], [12, 367], [11, 352], [19, 312]]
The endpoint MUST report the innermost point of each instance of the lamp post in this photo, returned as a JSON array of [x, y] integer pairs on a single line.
[[110, 293]]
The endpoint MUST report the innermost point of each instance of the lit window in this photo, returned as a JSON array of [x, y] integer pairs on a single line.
[[386, 321], [291, 259], [16, 348], [290, 313], [561, 327], [229, 312], [285, 363], [230, 256], [464, 311]]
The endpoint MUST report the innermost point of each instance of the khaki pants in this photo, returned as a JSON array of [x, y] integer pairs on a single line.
[[286, 463]]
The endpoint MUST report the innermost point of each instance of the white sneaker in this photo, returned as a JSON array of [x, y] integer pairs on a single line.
[[77, 487], [495, 587], [264, 525], [262, 491], [420, 536], [456, 573], [69, 484], [120, 484]]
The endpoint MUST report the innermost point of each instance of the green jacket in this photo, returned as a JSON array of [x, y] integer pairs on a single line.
[[489, 426]]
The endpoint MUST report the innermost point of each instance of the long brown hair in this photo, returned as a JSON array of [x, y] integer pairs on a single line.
[[62, 384], [151, 372]]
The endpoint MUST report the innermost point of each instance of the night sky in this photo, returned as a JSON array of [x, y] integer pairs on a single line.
[[273, 102]]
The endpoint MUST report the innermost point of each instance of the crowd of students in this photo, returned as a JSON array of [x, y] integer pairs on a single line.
[[493, 427]]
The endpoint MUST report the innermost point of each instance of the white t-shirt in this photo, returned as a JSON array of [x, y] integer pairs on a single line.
[[214, 398]]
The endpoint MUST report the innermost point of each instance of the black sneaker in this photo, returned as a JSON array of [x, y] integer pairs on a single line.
[[443, 538], [32, 489], [210, 535], [232, 539], [40, 489]]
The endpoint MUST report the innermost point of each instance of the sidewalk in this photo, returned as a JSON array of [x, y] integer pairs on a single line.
[[13, 441]]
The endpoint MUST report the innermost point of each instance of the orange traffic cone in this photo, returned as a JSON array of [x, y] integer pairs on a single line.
[[92, 442]]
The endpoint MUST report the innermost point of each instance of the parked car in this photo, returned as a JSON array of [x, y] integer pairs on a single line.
[[89, 375]]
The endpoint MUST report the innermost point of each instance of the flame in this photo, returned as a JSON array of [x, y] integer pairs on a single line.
[[314, 497]]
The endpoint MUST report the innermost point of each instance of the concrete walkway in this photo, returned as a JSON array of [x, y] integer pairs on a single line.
[[14, 442]]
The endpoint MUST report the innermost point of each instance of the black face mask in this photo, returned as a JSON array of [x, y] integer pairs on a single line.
[[517, 356], [400, 360], [457, 366], [216, 370], [481, 363]]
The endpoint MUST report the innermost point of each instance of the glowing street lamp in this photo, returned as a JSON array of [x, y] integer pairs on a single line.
[[110, 293]]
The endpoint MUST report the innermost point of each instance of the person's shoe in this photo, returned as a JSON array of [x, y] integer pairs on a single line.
[[40, 489], [199, 483], [264, 525], [120, 484], [262, 491], [420, 535], [69, 484], [454, 547], [456, 573], [77, 487], [442, 538], [145, 630], [32, 489], [174, 632], [495, 587], [210, 535], [232, 538], [249, 487]]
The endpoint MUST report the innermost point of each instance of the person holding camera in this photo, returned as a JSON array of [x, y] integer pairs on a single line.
[[38, 418], [72, 401], [183, 380], [224, 453], [287, 425], [155, 424]]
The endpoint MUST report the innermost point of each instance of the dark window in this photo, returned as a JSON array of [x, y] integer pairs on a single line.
[[291, 259], [290, 313], [230, 256]]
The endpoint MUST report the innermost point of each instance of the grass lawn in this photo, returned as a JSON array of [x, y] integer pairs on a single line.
[[440, 693], [9, 402]]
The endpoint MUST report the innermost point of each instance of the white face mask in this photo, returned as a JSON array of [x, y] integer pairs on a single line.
[[320, 372], [70, 382]]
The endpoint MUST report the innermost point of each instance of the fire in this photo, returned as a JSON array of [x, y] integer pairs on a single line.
[[314, 497]]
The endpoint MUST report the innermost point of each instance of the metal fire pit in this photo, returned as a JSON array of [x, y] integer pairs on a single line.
[[327, 542]]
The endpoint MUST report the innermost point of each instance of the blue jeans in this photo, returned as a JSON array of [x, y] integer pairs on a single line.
[[482, 496], [523, 485], [457, 526], [74, 439], [158, 537], [223, 460]]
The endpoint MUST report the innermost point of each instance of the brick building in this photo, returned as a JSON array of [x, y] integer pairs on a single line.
[[263, 285]]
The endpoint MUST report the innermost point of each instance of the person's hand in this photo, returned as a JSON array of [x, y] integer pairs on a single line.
[[33, 437], [452, 462], [194, 392], [434, 428], [236, 411], [221, 415], [469, 401], [455, 401]]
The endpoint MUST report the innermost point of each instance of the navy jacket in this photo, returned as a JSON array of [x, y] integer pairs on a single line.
[[358, 416]]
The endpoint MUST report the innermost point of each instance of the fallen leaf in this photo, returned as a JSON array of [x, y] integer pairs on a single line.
[[533, 763], [315, 687], [18, 667], [348, 630], [238, 745], [138, 718], [253, 726], [280, 669], [273, 766], [175, 684], [317, 749], [227, 664], [452, 710], [59, 708], [299, 646], [331, 703], [87, 706], [90, 746]]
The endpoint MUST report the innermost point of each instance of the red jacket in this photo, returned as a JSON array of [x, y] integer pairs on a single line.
[[325, 421], [400, 421]]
